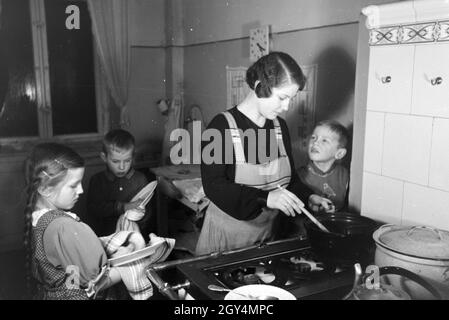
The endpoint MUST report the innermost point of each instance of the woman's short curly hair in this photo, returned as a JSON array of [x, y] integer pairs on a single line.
[[274, 70]]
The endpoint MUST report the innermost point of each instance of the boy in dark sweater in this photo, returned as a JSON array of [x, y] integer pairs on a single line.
[[111, 191], [324, 174]]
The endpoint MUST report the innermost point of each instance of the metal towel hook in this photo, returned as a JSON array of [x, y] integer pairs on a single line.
[[436, 81], [386, 79]]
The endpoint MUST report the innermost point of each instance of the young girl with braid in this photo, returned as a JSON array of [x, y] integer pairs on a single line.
[[64, 256]]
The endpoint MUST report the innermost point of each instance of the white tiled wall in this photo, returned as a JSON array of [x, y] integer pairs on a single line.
[[406, 169], [425, 206], [396, 63], [406, 149], [374, 135], [431, 62], [382, 198], [439, 156]]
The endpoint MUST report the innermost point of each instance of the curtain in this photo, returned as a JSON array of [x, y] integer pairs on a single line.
[[4, 76], [110, 31]]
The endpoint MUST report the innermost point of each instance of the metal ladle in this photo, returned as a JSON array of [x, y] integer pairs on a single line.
[[222, 289]]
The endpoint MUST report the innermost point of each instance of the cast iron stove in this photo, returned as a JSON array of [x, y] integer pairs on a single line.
[[289, 264]]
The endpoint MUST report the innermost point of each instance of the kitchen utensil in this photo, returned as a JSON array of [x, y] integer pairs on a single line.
[[383, 291], [349, 239], [248, 296], [314, 220], [310, 216], [420, 249]]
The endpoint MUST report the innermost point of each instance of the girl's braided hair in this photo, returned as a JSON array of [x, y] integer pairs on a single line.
[[46, 165]]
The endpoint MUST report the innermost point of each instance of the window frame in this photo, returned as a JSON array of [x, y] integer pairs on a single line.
[[43, 94]]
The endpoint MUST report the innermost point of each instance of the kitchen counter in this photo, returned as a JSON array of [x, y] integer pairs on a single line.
[[182, 183]]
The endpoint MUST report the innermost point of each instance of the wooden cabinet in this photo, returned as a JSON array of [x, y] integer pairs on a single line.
[[403, 114]]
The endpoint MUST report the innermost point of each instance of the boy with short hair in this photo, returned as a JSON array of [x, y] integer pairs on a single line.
[[111, 191], [324, 174]]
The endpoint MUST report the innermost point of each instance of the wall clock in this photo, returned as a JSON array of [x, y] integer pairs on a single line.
[[259, 42]]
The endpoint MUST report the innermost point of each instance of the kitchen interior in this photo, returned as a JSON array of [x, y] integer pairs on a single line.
[[376, 66]]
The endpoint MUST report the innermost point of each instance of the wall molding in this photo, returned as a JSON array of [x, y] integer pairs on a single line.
[[435, 31], [405, 22]]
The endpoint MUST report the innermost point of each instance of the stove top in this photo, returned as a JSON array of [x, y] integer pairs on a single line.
[[289, 264], [283, 270]]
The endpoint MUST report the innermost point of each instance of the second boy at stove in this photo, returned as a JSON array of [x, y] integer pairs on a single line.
[[324, 174], [111, 191]]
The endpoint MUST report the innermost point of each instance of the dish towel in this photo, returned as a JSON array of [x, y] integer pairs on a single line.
[[133, 273], [124, 224]]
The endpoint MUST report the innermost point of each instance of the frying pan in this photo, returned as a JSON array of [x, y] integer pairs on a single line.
[[349, 240]]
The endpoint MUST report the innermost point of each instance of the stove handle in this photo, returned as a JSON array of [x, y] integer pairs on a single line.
[[163, 287], [184, 285]]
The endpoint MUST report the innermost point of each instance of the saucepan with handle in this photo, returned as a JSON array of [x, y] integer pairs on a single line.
[[348, 241]]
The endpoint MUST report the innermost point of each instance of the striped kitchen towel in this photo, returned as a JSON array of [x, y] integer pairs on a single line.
[[124, 224], [133, 273]]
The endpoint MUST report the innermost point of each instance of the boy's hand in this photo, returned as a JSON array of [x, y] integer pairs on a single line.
[[135, 214], [132, 205], [317, 204]]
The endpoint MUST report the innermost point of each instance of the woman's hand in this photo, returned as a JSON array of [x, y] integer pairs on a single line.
[[285, 201], [318, 204]]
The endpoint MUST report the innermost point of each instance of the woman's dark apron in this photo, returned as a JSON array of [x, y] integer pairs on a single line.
[[222, 232]]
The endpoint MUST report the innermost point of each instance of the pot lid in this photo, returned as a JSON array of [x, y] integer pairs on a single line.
[[418, 241]]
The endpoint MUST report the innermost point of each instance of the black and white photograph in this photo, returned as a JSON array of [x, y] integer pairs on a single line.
[[206, 153]]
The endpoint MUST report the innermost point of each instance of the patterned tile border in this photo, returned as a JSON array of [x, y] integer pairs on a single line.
[[411, 33]]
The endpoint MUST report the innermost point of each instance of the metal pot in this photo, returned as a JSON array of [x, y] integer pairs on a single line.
[[349, 240], [420, 249]]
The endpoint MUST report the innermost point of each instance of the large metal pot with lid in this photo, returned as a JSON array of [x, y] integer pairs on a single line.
[[419, 249]]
